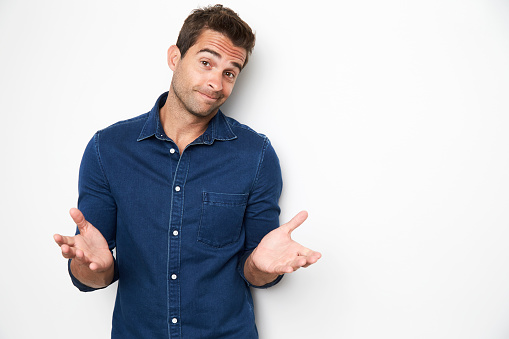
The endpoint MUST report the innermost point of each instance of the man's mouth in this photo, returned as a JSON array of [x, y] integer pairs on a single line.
[[210, 96]]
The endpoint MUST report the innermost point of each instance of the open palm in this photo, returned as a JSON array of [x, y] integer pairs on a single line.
[[277, 253], [89, 247]]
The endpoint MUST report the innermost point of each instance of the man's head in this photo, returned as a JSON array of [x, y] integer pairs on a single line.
[[220, 19], [211, 50]]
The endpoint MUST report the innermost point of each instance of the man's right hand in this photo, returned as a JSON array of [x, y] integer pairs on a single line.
[[92, 261]]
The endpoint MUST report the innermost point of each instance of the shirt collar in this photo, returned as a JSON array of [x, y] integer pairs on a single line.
[[218, 129]]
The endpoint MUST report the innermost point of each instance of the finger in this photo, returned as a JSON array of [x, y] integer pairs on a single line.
[[309, 253], [81, 258], [94, 266], [312, 258], [296, 221], [283, 269], [291, 266], [79, 254], [60, 240], [79, 219], [68, 252], [303, 251], [317, 255], [97, 266], [299, 262]]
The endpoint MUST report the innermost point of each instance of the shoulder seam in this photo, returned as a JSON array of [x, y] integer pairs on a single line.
[[98, 154], [123, 122]]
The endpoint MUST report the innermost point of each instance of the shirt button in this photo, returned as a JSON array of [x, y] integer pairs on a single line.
[[173, 276], [177, 188], [174, 320], [172, 150], [175, 233]]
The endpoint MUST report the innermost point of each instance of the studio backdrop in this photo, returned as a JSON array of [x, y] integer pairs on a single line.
[[390, 120]]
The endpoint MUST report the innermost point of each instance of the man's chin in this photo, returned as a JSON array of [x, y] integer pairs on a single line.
[[204, 113]]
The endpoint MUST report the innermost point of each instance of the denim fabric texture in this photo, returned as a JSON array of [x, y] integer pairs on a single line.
[[182, 223]]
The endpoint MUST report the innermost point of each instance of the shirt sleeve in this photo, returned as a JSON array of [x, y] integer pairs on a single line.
[[262, 211], [96, 201]]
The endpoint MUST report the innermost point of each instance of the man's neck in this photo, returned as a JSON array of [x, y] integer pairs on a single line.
[[179, 125]]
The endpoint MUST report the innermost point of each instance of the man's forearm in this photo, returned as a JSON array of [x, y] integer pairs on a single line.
[[91, 278]]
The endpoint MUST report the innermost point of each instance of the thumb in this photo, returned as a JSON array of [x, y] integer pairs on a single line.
[[79, 219], [296, 221]]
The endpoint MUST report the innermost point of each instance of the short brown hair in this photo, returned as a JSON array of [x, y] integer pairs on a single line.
[[220, 19]]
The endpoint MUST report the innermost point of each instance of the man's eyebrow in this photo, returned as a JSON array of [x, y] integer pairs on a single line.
[[211, 52], [214, 53]]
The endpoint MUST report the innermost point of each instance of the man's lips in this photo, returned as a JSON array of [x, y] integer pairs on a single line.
[[210, 96]]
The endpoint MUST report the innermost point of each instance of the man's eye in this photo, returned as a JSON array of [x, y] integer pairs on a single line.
[[205, 63], [230, 75]]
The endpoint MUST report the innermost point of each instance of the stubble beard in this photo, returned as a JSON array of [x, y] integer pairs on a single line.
[[190, 104]]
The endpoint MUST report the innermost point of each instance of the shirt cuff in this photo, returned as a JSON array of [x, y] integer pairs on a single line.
[[240, 268]]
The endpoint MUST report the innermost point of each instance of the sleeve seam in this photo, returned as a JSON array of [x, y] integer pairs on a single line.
[[99, 160], [260, 163]]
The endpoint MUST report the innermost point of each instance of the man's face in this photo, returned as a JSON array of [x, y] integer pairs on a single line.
[[204, 78]]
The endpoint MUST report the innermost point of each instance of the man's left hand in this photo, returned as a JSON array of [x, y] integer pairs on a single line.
[[277, 254]]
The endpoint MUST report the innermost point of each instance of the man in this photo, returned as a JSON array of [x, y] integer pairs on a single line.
[[189, 199]]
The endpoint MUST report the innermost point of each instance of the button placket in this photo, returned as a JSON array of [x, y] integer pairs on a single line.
[[174, 242]]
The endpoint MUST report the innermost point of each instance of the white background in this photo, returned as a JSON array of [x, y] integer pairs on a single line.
[[390, 119]]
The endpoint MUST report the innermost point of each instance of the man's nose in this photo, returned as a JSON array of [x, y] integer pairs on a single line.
[[215, 80]]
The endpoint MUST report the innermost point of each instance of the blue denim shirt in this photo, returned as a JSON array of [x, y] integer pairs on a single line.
[[182, 223]]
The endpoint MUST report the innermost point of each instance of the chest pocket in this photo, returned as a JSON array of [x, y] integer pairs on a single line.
[[221, 218]]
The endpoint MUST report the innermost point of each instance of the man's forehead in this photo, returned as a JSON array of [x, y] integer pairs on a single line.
[[220, 46]]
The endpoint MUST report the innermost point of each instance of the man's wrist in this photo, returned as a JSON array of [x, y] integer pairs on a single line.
[[254, 275], [91, 278]]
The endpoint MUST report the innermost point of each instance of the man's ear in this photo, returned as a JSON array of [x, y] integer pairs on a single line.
[[173, 57]]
